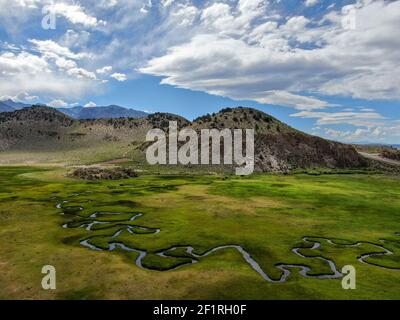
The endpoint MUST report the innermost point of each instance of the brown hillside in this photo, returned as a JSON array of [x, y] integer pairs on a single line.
[[278, 147]]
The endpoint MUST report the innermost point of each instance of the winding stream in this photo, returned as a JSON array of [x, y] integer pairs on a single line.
[[286, 269]]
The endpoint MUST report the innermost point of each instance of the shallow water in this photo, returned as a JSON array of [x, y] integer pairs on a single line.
[[286, 269]]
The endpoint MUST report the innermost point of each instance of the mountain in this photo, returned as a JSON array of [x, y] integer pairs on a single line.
[[10, 105], [51, 135], [5, 108], [108, 112]]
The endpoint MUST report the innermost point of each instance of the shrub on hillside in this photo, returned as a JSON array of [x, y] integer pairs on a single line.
[[391, 154], [103, 173]]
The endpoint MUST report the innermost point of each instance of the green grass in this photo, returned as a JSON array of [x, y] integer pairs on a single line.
[[268, 215]]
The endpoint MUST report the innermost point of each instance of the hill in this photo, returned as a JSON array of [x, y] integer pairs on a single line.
[[24, 129], [279, 147], [54, 136]]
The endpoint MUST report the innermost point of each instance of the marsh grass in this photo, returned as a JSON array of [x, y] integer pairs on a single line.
[[268, 215]]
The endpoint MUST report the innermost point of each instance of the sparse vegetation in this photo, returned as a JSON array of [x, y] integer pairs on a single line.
[[92, 173], [392, 154]]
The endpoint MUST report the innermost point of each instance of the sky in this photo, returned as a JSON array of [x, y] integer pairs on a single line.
[[329, 68]]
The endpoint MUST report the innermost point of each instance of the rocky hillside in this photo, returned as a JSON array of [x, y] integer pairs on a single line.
[[392, 154], [278, 147]]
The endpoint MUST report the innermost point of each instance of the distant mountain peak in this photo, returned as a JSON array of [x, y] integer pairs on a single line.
[[10, 105], [102, 112]]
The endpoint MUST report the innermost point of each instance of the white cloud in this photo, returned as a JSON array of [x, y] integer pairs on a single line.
[[90, 105], [21, 96], [50, 48], [28, 72], [24, 96], [81, 73], [63, 58], [234, 53], [104, 70], [284, 98], [75, 39], [366, 119], [381, 134], [310, 3], [167, 3], [370, 126], [22, 3], [63, 63], [24, 62], [57, 103], [75, 14], [119, 76]]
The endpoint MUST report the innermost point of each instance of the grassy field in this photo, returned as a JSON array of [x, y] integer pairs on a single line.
[[267, 215]]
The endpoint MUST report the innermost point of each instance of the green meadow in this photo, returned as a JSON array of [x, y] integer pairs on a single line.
[[45, 216]]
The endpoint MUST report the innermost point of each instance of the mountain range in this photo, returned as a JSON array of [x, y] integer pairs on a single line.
[[10, 105], [108, 112], [79, 112], [44, 134]]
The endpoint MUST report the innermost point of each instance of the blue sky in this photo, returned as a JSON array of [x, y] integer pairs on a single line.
[[329, 68]]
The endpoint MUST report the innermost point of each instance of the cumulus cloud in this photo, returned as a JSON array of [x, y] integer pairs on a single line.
[[45, 67], [75, 13], [15, 14], [119, 76], [104, 70], [58, 103], [24, 96], [23, 62], [21, 96], [50, 48], [35, 73], [81, 73], [293, 55], [310, 3], [64, 58]]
